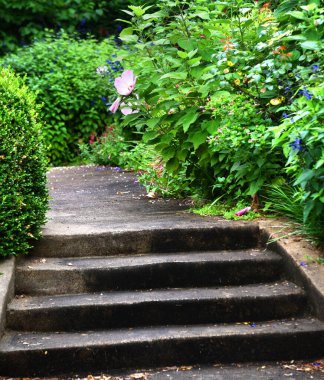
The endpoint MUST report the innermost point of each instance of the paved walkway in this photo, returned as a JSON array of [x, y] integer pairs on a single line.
[[89, 199]]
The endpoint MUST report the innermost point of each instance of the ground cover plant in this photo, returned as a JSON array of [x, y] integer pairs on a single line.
[[233, 101], [70, 77], [23, 193]]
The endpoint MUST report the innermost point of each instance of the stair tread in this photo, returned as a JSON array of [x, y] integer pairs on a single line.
[[30, 341], [88, 263], [115, 298]]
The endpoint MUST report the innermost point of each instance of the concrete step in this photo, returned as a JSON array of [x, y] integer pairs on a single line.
[[215, 237], [157, 307], [160, 270], [43, 354]]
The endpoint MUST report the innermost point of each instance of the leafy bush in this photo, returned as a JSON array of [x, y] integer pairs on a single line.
[[115, 148], [300, 133], [63, 72], [23, 21], [234, 98], [242, 157], [233, 101], [23, 193]]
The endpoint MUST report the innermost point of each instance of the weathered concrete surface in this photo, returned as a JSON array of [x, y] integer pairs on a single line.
[[299, 260], [41, 354], [40, 276], [7, 267], [95, 200], [89, 199], [248, 371], [119, 309]]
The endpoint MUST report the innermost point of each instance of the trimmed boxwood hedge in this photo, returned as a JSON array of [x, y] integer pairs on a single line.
[[23, 192]]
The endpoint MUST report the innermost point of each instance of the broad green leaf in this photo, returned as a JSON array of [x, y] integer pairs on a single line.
[[319, 163], [201, 14], [128, 12], [197, 139], [255, 186], [311, 45], [172, 165], [297, 14], [309, 7], [182, 154], [186, 44], [138, 11], [210, 126], [127, 35], [302, 180], [153, 122], [175, 75], [188, 118], [194, 61], [154, 15], [169, 153], [182, 54], [192, 53]]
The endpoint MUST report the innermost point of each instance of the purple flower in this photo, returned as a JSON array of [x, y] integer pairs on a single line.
[[253, 324], [303, 264], [285, 115], [306, 93], [296, 145], [315, 68]]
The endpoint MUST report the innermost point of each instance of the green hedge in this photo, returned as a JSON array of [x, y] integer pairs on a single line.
[[62, 71], [23, 193]]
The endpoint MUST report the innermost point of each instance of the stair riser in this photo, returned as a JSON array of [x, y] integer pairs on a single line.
[[159, 240], [94, 317], [45, 282], [100, 359]]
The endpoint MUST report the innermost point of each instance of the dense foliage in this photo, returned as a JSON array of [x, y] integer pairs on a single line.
[[21, 21], [233, 101], [23, 193], [64, 73]]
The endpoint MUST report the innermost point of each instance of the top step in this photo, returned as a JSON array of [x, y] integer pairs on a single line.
[[220, 236]]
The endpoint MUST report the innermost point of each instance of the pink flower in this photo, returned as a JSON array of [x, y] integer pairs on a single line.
[[126, 109], [92, 138], [125, 83], [243, 211], [114, 107]]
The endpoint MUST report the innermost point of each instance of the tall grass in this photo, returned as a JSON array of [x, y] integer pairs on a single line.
[[286, 200]]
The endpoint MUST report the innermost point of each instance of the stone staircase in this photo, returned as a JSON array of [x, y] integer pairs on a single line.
[[88, 304]]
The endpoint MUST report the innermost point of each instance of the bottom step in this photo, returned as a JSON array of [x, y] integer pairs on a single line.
[[43, 354]]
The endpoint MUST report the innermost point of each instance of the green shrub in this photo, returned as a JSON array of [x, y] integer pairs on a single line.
[[23, 21], [62, 70], [23, 193], [233, 104], [115, 148]]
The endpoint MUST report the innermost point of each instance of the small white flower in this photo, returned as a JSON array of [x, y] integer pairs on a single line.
[[101, 70]]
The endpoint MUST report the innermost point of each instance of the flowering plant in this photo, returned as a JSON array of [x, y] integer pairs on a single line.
[[124, 85]]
